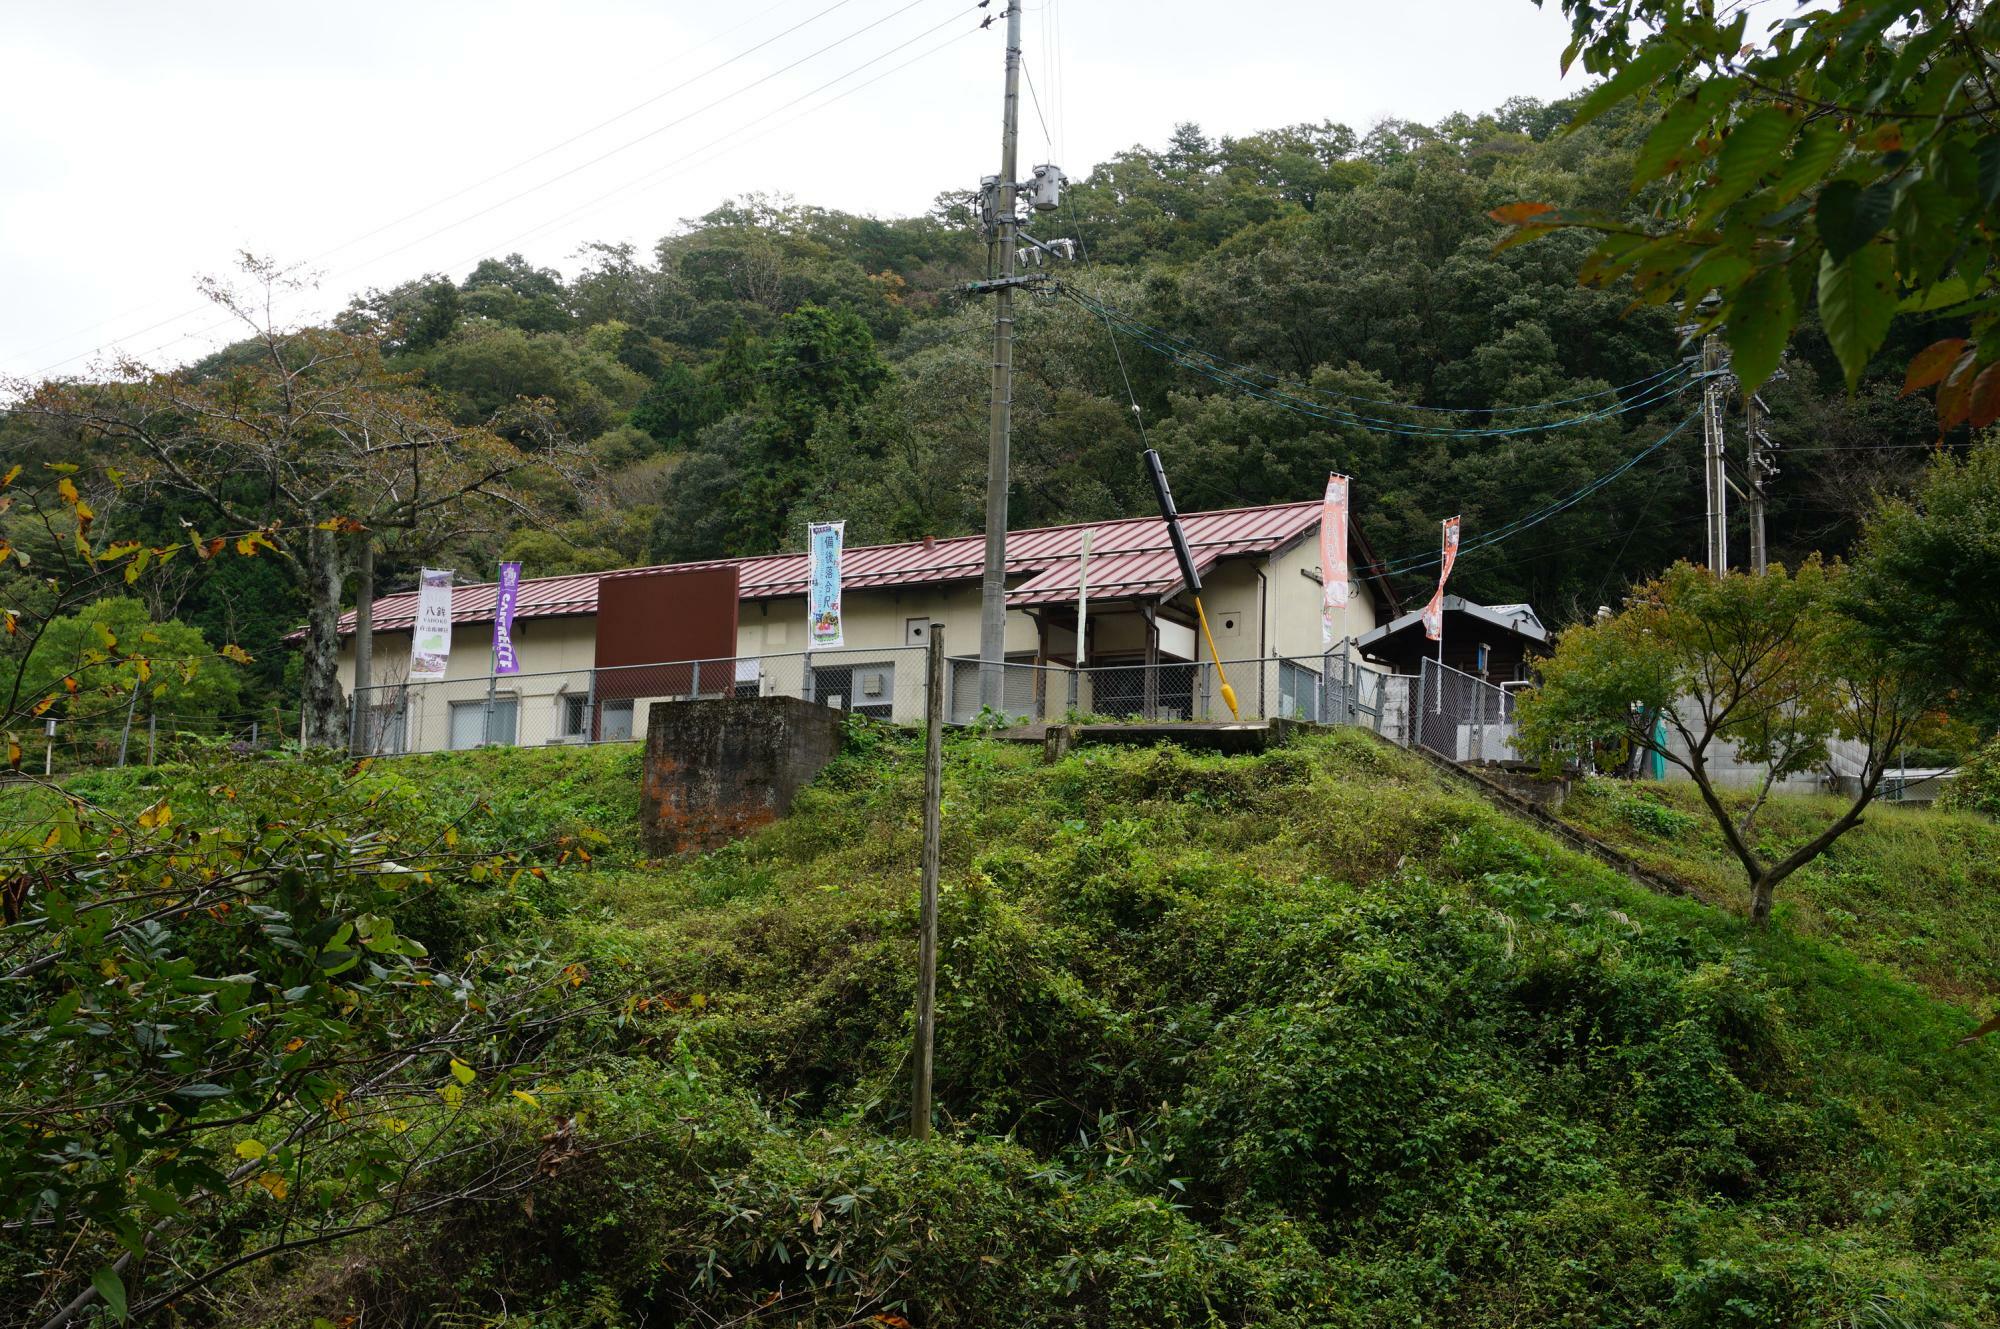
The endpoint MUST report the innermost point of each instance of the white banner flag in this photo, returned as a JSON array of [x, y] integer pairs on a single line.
[[1434, 611], [823, 546], [1333, 573], [430, 636]]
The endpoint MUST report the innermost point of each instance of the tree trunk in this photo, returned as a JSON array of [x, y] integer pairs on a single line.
[[364, 640], [324, 711], [1761, 892]]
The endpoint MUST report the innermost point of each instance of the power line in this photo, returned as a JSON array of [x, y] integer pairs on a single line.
[[563, 175], [1670, 384], [1143, 330], [1536, 518], [506, 170], [654, 177]]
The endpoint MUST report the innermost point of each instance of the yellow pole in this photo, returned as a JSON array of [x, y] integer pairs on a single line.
[[1228, 693]]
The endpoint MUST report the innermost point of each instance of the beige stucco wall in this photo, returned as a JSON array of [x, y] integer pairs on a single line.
[[1272, 614]]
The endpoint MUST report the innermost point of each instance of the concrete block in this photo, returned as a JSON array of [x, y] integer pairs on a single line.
[[716, 770]]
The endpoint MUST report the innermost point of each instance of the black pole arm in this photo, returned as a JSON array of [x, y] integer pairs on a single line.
[[1172, 517]]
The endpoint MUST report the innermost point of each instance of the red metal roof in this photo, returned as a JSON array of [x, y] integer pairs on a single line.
[[1130, 558]]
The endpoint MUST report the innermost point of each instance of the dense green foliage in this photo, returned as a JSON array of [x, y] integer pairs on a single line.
[[1301, 1039], [1758, 671], [1842, 156], [245, 1005], [1928, 576]]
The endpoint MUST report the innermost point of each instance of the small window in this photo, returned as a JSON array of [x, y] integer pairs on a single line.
[[477, 723], [575, 715], [614, 721]]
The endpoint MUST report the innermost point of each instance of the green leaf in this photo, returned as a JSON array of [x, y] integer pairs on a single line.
[[1815, 153], [1760, 322], [1645, 68], [1857, 298], [1988, 155], [461, 1072], [162, 1202], [1750, 150], [112, 1288], [1850, 216], [1666, 147], [202, 1091]]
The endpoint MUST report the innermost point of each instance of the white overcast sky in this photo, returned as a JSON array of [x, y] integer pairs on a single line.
[[143, 144]]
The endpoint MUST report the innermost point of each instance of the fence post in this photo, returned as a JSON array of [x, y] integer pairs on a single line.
[[927, 923], [1414, 738], [125, 734], [695, 686], [152, 730]]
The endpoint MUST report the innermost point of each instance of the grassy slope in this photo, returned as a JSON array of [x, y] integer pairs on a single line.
[[1914, 890], [1296, 1040]]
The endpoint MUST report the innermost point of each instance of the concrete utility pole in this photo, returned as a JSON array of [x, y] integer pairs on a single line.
[[1714, 478], [1758, 468], [993, 584]]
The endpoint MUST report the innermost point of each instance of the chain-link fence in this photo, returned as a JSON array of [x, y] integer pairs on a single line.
[[62, 743], [1462, 717], [611, 705]]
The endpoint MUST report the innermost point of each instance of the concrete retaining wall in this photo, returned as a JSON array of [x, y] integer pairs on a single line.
[[716, 770]]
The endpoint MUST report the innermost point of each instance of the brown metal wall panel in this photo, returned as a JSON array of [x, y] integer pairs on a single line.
[[647, 617]]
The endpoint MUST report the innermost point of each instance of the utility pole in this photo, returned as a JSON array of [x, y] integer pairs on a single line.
[[927, 907], [1714, 478], [999, 196], [1759, 467], [993, 584]]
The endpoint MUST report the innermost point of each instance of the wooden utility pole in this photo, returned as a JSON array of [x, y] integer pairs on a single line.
[[927, 926], [364, 644]]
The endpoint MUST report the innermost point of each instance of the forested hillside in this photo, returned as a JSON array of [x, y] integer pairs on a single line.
[[1305, 299]]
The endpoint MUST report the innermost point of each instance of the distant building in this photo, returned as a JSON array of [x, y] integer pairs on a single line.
[[1493, 642], [1261, 587]]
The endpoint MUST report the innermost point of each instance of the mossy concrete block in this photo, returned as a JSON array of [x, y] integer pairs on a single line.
[[716, 770]]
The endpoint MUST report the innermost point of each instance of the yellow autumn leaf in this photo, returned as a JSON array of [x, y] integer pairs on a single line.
[[250, 1149], [67, 488], [13, 474], [275, 1183], [524, 1096], [232, 651], [13, 753], [461, 1072], [452, 1095], [156, 816]]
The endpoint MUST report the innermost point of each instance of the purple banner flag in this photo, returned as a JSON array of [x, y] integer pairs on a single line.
[[504, 659]]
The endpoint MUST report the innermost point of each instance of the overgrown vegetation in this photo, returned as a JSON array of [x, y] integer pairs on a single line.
[[1300, 1039]]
